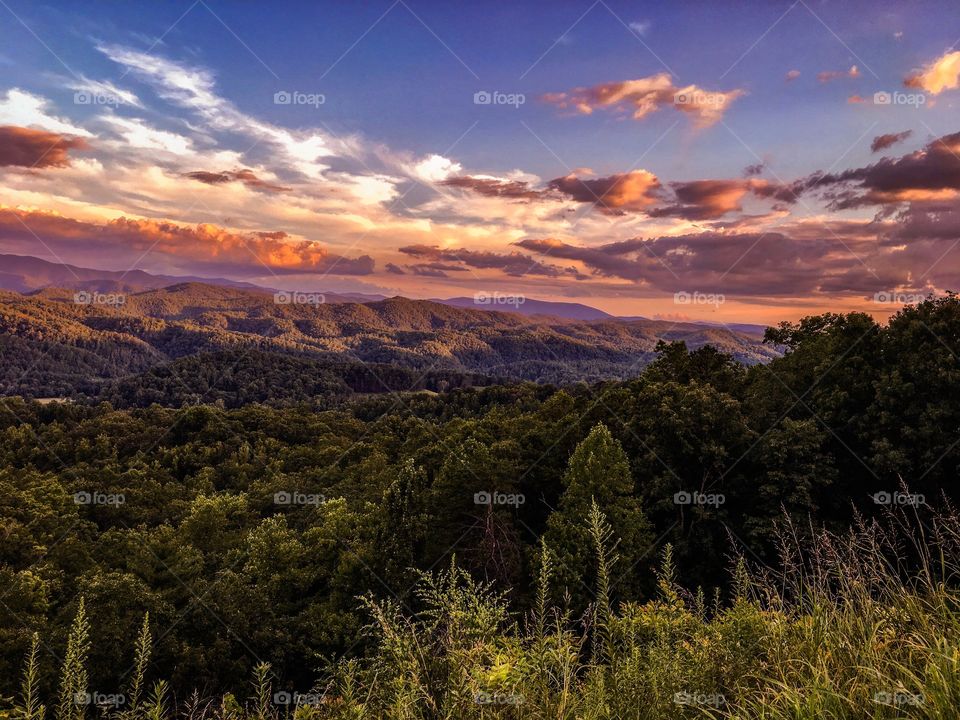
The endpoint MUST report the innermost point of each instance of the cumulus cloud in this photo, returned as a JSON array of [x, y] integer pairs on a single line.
[[635, 190], [940, 75], [882, 142], [711, 199], [25, 147], [28, 110], [792, 75], [644, 96]]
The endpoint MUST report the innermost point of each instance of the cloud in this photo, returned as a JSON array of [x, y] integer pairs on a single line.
[[435, 269], [856, 100], [204, 246], [494, 187], [24, 147], [137, 134], [28, 110], [640, 27], [791, 75], [711, 199], [882, 142], [100, 92], [644, 96], [514, 264], [941, 74], [932, 173], [769, 264], [755, 169], [395, 269], [828, 75], [436, 168], [636, 190], [246, 176]]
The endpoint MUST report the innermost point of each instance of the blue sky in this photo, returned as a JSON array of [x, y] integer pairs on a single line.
[[398, 81]]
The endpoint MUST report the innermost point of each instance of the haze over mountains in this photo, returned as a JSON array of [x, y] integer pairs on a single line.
[[55, 346], [25, 274]]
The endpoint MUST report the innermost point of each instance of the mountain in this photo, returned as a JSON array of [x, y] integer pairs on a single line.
[[22, 273], [54, 346], [529, 306]]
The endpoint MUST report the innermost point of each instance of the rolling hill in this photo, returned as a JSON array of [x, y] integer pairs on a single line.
[[54, 346]]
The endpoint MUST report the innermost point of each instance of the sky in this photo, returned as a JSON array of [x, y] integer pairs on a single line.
[[730, 161]]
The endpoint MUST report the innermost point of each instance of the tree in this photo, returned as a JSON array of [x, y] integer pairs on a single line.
[[598, 473]]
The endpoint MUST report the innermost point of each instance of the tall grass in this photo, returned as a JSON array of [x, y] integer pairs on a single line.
[[860, 625]]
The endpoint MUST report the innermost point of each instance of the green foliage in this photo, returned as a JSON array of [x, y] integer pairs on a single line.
[[598, 478], [229, 575]]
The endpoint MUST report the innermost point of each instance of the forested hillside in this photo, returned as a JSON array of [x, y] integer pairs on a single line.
[[250, 534], [55, 347]]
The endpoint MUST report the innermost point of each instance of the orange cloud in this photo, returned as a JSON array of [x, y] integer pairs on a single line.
[[644, 96], [942, 74], [26, 147], [200, 247], [828, 75], [636, 190]]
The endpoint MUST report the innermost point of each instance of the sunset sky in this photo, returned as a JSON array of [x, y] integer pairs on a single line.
[[791, 157]]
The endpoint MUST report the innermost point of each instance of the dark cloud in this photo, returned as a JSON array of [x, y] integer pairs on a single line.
[[29, 148], [736, 264], [515, 264], [712, 199], [753, 170], [247, 177], [930, 174], [492, 187], [882, 142], [395, 269]]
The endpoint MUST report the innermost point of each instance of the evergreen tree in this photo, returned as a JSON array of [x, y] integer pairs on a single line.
[[599, 473]]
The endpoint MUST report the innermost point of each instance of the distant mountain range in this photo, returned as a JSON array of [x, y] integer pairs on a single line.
[[55, 346], [26, 274]]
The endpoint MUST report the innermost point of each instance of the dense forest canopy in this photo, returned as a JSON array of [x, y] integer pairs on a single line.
[[251, 530]]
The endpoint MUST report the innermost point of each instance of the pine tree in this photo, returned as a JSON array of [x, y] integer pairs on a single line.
[[598, 471]]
